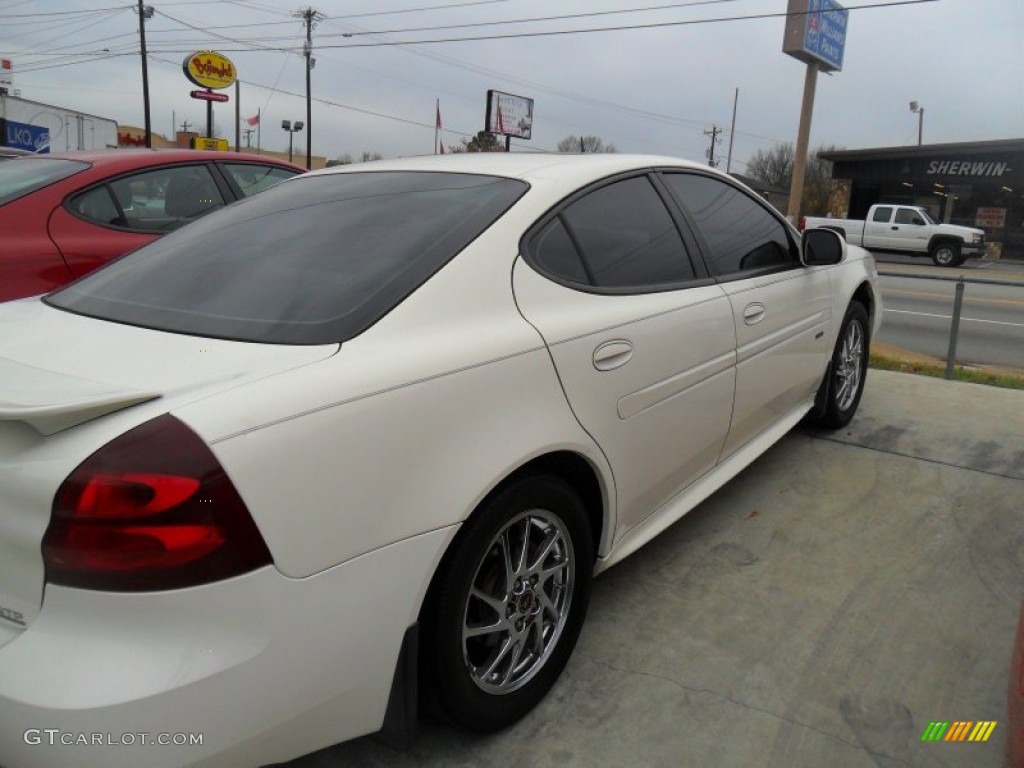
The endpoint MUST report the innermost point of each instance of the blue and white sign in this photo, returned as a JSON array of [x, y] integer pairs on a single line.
[[816, 31], [825, 36], [34, 138]]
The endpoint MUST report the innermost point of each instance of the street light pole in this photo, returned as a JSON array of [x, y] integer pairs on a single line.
[[292, 129], [919, 111]]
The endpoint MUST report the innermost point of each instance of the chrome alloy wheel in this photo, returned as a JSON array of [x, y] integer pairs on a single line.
[[850, 366], [519, 602]]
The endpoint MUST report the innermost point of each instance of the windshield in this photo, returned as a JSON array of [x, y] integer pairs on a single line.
[[927, 217], [313, 260], [22, 175]]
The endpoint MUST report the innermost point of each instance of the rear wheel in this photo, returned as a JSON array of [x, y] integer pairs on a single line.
[[946, 254], [506, 609], [843, 385]]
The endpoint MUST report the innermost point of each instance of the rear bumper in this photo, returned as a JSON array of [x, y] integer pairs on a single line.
[[250, 671]]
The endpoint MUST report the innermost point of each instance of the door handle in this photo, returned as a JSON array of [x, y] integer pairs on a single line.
[[612, 354], [754, 313], [896, 228]]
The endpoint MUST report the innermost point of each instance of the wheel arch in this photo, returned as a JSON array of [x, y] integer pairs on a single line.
[[866, 296], [937, 240]]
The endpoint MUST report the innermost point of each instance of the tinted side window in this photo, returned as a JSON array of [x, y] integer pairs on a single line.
[[908, 216], [740, 234], [252, 178], [97, 206], [882, 214], [166, 198], [627, 237], [554, 252]]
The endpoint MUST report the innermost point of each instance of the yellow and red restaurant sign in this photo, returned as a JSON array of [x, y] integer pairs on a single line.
[[209, 69]]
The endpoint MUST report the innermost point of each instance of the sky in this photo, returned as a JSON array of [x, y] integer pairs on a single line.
[[653, 90]]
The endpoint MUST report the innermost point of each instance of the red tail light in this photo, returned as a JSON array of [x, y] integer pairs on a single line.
[[803, 223], [152, 509]]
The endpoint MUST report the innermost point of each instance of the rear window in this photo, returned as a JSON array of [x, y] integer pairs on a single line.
[[314, 261], [22, 175]]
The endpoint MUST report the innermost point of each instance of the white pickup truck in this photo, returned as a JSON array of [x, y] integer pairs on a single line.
[[908, 229]]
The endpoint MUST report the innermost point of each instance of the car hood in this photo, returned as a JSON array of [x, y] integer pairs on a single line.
[[69, 384], [957, 229]]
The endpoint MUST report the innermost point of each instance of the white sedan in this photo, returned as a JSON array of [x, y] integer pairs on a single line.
[[374, 431]]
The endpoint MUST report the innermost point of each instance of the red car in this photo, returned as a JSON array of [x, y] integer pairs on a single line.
[[63, 215]]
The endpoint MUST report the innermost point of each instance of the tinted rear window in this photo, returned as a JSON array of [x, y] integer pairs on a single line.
[[314, 260], [22, 175]]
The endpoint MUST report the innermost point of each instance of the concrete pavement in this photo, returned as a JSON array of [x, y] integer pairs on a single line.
[[841, 593]]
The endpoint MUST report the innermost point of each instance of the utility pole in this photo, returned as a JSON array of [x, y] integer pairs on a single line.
[[311, 16], [145, 12], [714, 134], [732, 131]]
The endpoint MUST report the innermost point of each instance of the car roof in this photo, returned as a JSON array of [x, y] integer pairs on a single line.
[[141, 157], [527, 166]]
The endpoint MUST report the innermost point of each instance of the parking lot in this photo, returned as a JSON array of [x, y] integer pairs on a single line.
[[820, 610]]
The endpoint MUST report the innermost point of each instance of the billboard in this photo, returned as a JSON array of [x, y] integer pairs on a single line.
[[34, 138], [509, 115], [816, 31]]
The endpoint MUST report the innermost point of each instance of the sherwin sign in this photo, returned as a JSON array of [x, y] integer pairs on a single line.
[[966, 168]]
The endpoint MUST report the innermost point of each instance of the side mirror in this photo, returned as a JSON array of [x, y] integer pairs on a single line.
[[820, 247]]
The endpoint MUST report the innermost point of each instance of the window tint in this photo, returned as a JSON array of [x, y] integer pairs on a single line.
[[252, 178], [554, 251], [882, 214], [27, 174], [627, 237], [740, 234], [161, 199], [908, 216], [314, 261], [97, 206]]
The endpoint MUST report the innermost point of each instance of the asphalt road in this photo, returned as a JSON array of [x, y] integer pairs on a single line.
[[918, 310]]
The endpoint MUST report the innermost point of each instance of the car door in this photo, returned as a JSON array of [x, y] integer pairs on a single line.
[[119, 215], [878, 231], [910, 230], [642, 341], [781, 309]]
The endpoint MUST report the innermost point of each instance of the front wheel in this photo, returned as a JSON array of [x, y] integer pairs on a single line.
[[843, 385], [507, 606], [946, 254]]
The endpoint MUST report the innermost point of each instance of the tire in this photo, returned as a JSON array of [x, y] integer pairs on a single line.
[[843, 384], [508, 602], [946, 254]]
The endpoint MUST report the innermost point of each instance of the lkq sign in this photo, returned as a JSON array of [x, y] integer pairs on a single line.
[[816, 32], [34, 138]]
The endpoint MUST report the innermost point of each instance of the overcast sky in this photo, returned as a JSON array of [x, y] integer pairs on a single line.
[[652, 90]]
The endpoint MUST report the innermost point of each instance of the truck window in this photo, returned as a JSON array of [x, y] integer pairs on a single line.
[[908, 216], [882, 214]]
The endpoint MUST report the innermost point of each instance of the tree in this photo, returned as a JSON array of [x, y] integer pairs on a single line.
[[347, 159], [584, 144], [774, 167], [482, 142]]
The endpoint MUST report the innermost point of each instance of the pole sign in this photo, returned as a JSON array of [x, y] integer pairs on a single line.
[[6, 73], [208, 95], [509, 115], [209, 69], [816, 31]]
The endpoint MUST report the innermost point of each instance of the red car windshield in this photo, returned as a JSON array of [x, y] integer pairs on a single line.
[[22, 175]]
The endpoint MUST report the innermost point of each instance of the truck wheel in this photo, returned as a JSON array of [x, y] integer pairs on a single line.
[[946, 254]]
